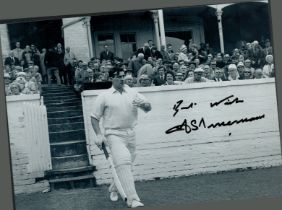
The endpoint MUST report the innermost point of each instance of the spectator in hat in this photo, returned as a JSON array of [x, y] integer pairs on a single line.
[[241, 70], [198, 77], [268, 68], [248, 65]]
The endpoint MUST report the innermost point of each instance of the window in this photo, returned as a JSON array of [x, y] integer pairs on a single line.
[[128, 44], [107, 39]]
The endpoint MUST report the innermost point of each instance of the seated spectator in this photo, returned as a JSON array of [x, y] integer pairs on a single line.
[[208, 73], [14, 89], [241, 70], [170, 52], [164, 54], [145, 81], [259, 74], [268, 68], [175, 67], [232, 72], [248, 65], [81, 75], [198, 77], [128, 80], [218, 75], [90, 77], [169, 78], [248, 74], [179, 77], [159, 78]]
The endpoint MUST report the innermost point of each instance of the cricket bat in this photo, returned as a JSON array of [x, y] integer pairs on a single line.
[[115, 176]]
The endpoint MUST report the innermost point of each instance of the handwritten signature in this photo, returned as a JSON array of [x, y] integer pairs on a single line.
[[193, 126]]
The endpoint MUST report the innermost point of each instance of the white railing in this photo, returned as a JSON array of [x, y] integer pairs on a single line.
[[37, 137]]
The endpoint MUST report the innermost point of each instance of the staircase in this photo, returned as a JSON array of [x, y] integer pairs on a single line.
[[70, 163]]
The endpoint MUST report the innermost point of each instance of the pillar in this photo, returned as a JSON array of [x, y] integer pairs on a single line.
[[162, 28], [5, 40], [156, 24], [220, 30], [89, 37]]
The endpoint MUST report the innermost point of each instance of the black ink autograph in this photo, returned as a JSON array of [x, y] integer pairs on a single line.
[[194, 126], [227, 101], [177, 105]]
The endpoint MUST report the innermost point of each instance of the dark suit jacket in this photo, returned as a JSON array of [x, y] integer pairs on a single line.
[[9, 61], [147, 52], [107, 56], [158, 81]]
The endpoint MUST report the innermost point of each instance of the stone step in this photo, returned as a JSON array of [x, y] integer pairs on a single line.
[[60, 97], [66, 126], [61, 102], [74, 119], [69, 135], [73, 161], [63, 108], [86, 181], [62, 114], [70, 171], [68, 148], [62, 93]]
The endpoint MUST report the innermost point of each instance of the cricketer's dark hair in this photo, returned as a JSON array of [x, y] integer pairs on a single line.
[[115, 71]]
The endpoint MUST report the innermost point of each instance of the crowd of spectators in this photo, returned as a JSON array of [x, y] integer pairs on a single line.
[[26, 69]]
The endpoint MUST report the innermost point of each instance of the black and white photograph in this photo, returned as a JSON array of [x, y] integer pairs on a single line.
[[143, 108]]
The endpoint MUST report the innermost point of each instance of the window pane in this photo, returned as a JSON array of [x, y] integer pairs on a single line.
[[106, 39]]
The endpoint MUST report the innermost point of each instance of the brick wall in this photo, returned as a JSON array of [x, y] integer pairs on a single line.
[[254, 145], [23, 179], [75, 37]]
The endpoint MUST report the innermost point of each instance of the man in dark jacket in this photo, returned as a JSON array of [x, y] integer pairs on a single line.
[[106, 54]]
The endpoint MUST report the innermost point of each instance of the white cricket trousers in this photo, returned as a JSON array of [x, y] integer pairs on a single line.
[[122, 144]]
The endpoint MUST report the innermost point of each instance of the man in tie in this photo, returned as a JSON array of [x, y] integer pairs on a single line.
[[106, 54], [11, 60]]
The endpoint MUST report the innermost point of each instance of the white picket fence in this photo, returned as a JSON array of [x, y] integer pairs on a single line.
[[37, 137]]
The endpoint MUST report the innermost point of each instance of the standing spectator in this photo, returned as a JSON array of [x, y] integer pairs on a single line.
[[18, 52], [257, 55], [52, 66], [268, 48], [11, 60], [164, 54], [145, 50], [183, 54], [35, 55], [69, 59], [26, 56], [136, 64], [170, 52], [60, 54], [156, 54], [268, 68], [43, 65], [106, 54]]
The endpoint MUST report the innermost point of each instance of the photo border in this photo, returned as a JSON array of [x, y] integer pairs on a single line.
[[38, 10]]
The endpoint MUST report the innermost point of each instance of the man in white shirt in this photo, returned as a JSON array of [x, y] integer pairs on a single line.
[[117, 107]]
